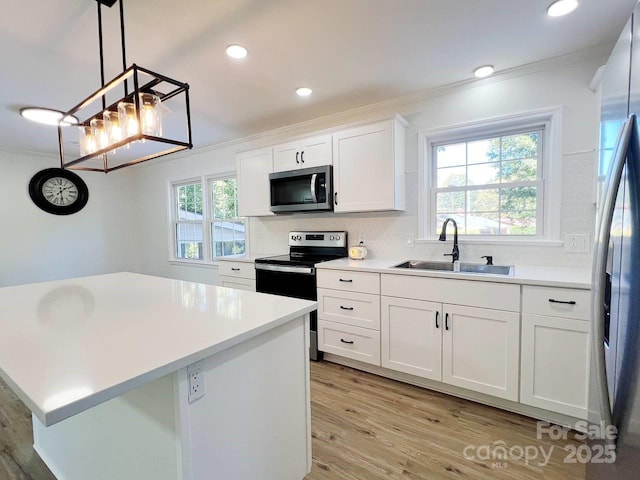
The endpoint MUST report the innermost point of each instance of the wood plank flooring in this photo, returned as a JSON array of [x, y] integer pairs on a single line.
[[366, 427]]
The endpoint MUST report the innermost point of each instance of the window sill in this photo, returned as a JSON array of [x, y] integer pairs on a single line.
[[497, 241], [193, 263]]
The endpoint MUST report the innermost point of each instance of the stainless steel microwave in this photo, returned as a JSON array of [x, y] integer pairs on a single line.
[[302, 190]]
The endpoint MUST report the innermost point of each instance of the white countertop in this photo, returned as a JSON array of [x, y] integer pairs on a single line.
[[66, 346], [524, 274]]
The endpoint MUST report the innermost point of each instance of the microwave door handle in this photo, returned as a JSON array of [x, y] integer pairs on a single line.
[[314, 198]]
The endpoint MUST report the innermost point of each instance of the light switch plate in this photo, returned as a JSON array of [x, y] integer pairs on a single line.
[[409, 240], [577, 243]]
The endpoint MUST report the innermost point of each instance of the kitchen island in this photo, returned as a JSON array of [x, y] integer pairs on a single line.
[[102, 363]]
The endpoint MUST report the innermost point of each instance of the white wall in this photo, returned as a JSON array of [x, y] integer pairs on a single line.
[[560, 82], [37, 246]]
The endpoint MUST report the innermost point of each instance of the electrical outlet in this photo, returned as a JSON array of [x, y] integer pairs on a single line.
[[577, 243], [196, 382], [362, 238], [409, 240]]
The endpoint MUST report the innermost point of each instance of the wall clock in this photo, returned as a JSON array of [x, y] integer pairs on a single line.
[[58, 191]]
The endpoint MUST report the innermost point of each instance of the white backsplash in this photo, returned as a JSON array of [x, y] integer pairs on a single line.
[[385, 232]]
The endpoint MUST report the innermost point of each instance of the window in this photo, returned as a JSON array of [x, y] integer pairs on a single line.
[[494, 180], [225, 234]]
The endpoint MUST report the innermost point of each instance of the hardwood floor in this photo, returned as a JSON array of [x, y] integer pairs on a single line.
[[368, 428]]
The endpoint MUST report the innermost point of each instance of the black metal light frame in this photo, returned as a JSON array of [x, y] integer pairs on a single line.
[[132, 73]]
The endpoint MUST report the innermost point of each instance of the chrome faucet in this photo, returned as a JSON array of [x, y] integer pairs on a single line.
[[455, 253]]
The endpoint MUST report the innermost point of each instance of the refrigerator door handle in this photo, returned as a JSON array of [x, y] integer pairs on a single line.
[[600, 264]]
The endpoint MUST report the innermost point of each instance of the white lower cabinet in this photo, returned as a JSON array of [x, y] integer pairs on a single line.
[[480, 350], [411, 333], [555, 364], [237, 274], [473, 348], [358, 343]]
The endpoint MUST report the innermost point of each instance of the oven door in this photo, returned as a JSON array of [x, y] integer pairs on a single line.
[[292, 281], [306, 189]]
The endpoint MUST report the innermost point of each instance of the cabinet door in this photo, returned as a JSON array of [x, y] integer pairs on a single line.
[[481, 350], [316, 151], [286, 156], [365, 169], [555, 364], [411, 333], [253, 169]]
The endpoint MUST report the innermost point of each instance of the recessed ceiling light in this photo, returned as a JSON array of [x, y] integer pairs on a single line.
[[562, 7], [237, 51], [48, 116], [304, 91], [483, 71]]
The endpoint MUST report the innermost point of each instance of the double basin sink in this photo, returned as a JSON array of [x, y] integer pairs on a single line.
[[507, 270]]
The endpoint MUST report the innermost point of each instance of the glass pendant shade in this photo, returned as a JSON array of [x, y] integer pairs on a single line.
[[150, 118], [128, 118], [87, 142], [113, 126], [99, 132]]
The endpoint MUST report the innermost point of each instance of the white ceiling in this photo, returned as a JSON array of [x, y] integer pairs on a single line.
[[351, 52]]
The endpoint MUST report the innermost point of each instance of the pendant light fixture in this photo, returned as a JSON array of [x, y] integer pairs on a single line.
[[120, 126]]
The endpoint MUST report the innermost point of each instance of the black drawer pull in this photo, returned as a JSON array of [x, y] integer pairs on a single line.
[[335, 198], [346, 308], [297, 161], [437, 315], [348, 280], [350, 342], [446, 321], [235, 269], [302, 156], [566, 302]]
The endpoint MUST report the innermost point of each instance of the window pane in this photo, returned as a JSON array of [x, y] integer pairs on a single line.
[[189, 241], [459, 219], [518, 198], [484, 200], [519, 170], [518, 223], [452, 177], [483, 223], [450, 202], [229, 238], [481, 151], [483, 173], [224, 198], [189, 201], [451, 155], [520, 146]]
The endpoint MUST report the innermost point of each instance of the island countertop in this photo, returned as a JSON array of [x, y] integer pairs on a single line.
[[66, 346]]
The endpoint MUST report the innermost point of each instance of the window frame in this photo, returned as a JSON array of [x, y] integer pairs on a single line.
[[207, 222], [211, 221], [548, 193]]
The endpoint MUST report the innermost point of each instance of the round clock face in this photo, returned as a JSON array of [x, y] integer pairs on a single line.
[[58, 191]]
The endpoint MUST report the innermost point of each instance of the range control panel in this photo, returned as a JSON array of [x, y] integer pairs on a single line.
[[318, 239]]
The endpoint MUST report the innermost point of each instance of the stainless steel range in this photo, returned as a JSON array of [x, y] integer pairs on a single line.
[[294, 275]]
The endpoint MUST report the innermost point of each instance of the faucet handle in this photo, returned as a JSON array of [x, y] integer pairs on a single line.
[[489, 259]]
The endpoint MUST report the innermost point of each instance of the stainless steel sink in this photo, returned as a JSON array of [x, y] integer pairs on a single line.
[[507, 270]]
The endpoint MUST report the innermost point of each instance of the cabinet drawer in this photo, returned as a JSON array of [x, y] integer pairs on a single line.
[[357, 309], [237, 269], [348, 341], [548, 301], [348, 280], [496, 296], [238, 283]]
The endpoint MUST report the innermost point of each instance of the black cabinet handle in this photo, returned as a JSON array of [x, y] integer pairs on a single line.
[[437, 315], [346, 308], [235, 269], [346, 280], [297, 161], [350, 342], [446, 321], [335, 198], [566, 302], [302, 156]]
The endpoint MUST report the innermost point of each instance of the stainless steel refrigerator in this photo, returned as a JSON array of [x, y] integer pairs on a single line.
[[615, 380]]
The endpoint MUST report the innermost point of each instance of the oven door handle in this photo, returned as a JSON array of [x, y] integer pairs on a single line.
[[286, 268]]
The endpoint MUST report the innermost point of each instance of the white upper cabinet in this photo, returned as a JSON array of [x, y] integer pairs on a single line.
[[308, 152], [369, 164], [253, 169]]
